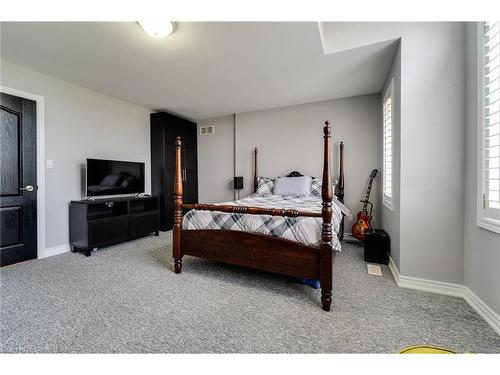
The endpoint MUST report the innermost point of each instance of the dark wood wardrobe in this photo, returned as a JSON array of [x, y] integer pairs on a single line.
[[164, 129]]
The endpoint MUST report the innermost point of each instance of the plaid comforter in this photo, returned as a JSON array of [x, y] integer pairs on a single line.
[[306, 230]]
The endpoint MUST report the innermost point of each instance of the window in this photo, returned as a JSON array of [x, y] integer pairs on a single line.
[[489, 127], [387, 105]]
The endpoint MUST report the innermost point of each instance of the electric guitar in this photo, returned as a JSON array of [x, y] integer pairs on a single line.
[[364, 218]]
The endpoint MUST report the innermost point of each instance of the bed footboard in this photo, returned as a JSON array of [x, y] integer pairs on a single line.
[[326, 253], [178, 192], [253, 250], [259, 251]]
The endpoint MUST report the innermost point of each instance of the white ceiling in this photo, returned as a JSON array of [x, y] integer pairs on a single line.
[[204, 69]]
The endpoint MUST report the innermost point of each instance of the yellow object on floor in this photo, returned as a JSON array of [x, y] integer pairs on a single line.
[[425, 349]]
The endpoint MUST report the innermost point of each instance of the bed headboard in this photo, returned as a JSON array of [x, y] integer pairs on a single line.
[[339, 187], [255, 173]]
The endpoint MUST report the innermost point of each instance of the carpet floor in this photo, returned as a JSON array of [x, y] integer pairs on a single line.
[[126, 298]]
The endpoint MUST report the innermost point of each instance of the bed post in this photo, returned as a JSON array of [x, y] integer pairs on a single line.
[[177, 235], [255, 173], [326, 253], [341, 188]]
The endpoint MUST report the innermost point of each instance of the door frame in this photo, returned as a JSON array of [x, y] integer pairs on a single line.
[[40, 161]]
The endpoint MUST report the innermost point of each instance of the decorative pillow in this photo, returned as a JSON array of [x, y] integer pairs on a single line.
[[293, 186], [316, 187], [316, 184], [265, 186]]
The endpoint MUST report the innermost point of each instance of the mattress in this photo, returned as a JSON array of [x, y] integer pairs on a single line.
[[306, 230]]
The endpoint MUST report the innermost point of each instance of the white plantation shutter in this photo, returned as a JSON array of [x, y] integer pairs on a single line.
[[490, 124], [387, 145]]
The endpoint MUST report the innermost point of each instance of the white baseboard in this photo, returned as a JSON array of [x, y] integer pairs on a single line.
[[439, 287], [449, 289], [491, 317], [44, 253], [394, 270]]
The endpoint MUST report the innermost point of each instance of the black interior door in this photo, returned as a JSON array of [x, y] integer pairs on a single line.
[[164, 129], [18, 185], [187, 131], [190, 163]]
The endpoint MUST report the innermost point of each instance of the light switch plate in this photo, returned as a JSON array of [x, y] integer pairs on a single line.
[[50, 164]]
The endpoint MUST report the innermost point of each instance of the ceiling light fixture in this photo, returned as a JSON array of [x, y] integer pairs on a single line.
[[156, 28]]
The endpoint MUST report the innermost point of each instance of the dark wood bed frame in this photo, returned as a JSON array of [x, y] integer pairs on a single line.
[[260, 251]]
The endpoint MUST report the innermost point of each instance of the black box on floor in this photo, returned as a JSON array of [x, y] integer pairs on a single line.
[[377, 246]]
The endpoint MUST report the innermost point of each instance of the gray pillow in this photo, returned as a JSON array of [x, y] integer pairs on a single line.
[[316, 185], [265, 186], [293, 186]]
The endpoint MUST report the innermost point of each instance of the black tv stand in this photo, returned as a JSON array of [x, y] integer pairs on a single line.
[[102, 222]]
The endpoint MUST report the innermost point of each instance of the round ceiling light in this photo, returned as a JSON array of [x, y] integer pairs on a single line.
[[157, 29]]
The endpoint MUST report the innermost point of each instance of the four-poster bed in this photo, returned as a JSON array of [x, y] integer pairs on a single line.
[[261, 251]]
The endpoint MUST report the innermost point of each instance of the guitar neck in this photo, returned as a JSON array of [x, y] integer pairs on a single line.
[[367, 196]]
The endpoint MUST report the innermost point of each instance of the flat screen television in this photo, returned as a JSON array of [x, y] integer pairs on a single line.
[[113, 177]]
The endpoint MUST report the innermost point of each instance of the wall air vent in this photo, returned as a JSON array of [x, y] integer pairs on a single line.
[[207, 130]]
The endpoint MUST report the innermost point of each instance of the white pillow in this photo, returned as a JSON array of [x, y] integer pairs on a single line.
[[293, 186]]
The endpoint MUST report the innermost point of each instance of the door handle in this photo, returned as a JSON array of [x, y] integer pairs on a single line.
[[27, 188]]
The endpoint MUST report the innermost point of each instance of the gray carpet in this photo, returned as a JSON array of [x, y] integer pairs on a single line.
[[126, 298]]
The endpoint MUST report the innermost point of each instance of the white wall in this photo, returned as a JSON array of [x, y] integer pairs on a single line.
[[432, 151], [216, 161], [390, 219], [432, 140], [79, 123], [481, 247], [290, 138]]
